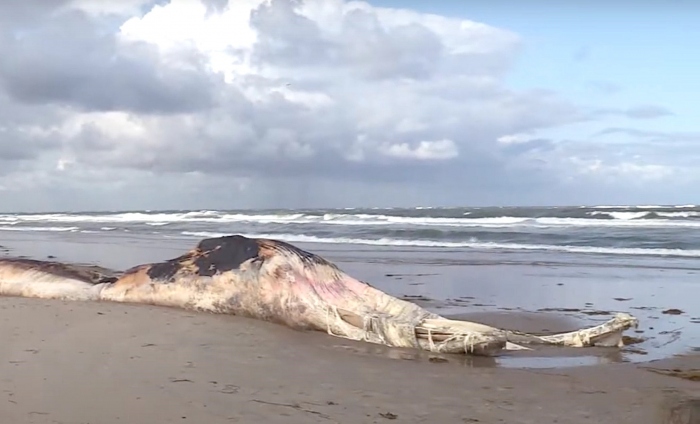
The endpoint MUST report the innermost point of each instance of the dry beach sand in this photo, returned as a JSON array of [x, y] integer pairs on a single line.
[[78, 363]]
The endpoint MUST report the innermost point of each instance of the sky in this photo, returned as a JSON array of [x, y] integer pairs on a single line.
[[215, 104]]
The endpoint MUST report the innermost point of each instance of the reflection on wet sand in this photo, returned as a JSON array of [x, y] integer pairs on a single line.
[[546, 357], [469, 361]]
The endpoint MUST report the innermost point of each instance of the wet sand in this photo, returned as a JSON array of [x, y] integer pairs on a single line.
[[71, 362]]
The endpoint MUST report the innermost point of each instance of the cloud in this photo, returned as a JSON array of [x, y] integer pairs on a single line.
[[323, 87], [278, 103], [636, 112], [667, 138], [425, 150], [647, 112], [90, 71], [640, 172], [104, 8], [638, 160], [517, 144]]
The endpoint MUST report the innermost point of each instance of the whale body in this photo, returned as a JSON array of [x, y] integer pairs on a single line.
[[275, 281]]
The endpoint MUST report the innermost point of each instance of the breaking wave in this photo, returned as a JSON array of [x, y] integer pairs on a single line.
[[646, 230], [640, 216], [49, 229], [297, 238]]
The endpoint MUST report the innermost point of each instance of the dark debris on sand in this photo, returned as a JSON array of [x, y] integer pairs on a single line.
[[687, 374], [630, 340], [559, 310], [418, 297], [578, 310]]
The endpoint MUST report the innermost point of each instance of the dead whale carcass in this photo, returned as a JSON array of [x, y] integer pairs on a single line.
[[275, 281]]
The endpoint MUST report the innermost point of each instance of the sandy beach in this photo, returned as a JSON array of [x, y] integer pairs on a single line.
[[74, 362]]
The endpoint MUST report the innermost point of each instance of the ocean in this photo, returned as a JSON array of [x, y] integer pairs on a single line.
[[631, 231], [582, 262]]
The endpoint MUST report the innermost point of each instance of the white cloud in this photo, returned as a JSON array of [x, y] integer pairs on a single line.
[[351, 70], [268, 97], [637, 172], [424, 150], [514, 138]]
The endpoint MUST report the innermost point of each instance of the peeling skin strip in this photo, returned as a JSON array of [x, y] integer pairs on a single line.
[[275, 281]]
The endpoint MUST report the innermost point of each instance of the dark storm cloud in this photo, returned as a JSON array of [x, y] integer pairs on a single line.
[[21, 137], [69, 60], [18, 146]]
